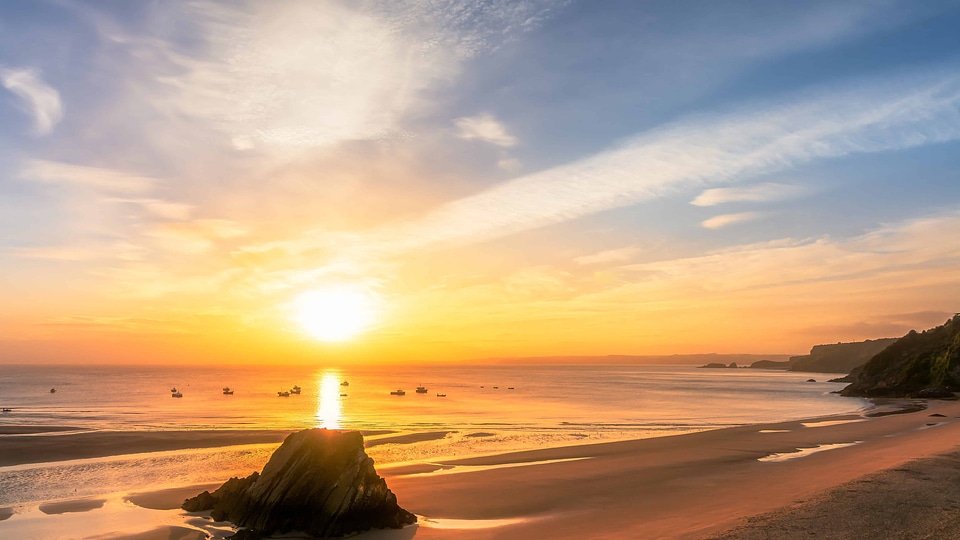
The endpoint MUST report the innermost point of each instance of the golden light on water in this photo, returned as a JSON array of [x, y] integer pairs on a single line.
[[335, 314], [328, 402]]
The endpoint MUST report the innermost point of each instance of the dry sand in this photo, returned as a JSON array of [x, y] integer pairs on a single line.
[[917, 500], [687, 486]]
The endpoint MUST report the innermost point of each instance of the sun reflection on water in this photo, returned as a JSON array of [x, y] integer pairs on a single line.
[[328, 402]]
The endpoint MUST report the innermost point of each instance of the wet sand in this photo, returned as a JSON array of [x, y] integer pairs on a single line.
[[168, 499], [47, 448], [30, 430], [687, 486], [79, 505]]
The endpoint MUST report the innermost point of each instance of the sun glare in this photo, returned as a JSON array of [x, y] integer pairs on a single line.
[[328, 402], [335, 314]]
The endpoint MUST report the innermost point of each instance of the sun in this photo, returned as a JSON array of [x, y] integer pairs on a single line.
[[335, 314]]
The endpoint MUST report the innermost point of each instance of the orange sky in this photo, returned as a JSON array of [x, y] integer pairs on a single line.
[[179, 176]]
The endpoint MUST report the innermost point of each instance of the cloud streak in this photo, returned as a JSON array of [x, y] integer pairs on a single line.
[[723, 220], [101, 179], [755, 193], [36, 97], [692, 153]]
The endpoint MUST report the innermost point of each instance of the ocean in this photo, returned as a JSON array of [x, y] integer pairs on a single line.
[[486, 409]]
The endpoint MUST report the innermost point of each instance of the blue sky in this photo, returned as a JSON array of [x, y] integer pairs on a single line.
[[775, 165]]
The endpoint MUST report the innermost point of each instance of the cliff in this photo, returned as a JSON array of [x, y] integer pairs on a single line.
[[319, 482], [925, 364], [839, 357]]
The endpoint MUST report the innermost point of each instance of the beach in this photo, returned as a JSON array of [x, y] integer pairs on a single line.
[[720, 483]]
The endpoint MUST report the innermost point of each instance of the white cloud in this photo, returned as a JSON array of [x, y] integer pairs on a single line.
[[36, 96], [718, 222], [486, 128], [755, 193]]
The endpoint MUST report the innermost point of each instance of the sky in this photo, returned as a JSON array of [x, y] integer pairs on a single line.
[[489, 178]]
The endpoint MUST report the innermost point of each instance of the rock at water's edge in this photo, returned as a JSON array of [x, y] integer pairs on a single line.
[[319, 481]]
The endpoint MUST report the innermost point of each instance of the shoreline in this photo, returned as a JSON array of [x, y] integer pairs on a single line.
[[679, 486]]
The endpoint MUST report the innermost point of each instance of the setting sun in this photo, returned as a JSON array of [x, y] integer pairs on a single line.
[[334, 314]]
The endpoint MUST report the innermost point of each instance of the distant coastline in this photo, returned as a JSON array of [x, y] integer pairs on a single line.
[[634, 359]]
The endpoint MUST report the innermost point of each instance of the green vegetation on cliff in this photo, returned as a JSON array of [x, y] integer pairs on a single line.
[[839, 357], [925, 364]]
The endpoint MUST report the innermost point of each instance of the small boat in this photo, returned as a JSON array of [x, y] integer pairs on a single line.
[[398, 392], [53, 390], [496, 387], [6, 410], [227, 391], [343, 395], [510, 388], [283, 394], [421, 389], [344, 383], [295, 390], [441, 395], [176, 394], [173, 390]]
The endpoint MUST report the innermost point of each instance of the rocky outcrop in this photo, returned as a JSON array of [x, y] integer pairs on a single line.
[[925, 365], [839, 357], [320, 482], [770, 364]]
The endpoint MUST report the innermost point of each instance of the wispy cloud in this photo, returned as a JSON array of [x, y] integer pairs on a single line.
[[160, 208], [755, 193], [691, 153], [309, 74], [486, 128], [890, 250], [107, 180], [38, 98], [718, 222], [609, 256], [196, 236]]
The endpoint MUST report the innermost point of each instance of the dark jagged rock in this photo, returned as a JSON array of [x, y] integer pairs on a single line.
[[811, 380], [923, 365], [733, 365], [319, 481]]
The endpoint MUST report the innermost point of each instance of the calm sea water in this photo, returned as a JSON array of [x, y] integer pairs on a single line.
[[486, 409]]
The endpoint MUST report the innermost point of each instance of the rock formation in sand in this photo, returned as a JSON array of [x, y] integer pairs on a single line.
[[319, 481]]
